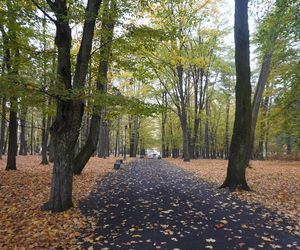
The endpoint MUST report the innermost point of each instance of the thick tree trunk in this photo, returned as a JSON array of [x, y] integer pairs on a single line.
[[51, 150], [3, 127], [13, 120], [89, 148], [12, 69], [103, 140], [107, 29], [263, 77], [182, 112], [65, 129], [240, 143], [12, 141]]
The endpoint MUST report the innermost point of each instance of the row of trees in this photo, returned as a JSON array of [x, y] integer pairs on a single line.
[[96, 85]]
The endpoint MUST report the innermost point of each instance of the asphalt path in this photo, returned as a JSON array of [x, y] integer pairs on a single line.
[[150, 204]]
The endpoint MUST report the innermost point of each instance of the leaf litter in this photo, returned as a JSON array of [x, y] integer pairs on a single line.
[[275, 184], [22, 223]]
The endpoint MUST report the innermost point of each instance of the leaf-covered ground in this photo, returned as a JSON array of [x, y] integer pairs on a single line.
[[22, 224], [151, 204], [275, 184]]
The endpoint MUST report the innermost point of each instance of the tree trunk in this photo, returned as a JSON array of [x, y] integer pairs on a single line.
[[185, 135], [227, 129], [264, 129], [51, 150], [66, 127], [163, 125], [45, 140], [107, 141], [102, 152], [263, 77], [89, 148], [23, 142], [134, 136], [194, 144], [3, 127], [201, 146], [240, 143], [200, 86], [13, 136], [107, 29], [182, 112], [13, 70], [207, 141], [31, 134], [117, 144]]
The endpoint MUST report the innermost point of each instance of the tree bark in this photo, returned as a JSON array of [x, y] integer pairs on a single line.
[[107, 30], [3, 127], [134, 136], [65, 129], [31, 134], [163, 125], [117, 142], [13, 136], [103, 144], [45, 139], [51, 150], [183, 115], [185, 134], [263, 77], [207, 136], [89, 148], [23, 142], [12, 69], [240, 143], [226, 151], [262, 149]]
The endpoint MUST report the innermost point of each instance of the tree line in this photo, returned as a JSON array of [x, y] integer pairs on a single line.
[[119, 77]]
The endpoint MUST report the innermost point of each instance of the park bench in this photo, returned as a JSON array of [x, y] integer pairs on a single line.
[[117, 164]]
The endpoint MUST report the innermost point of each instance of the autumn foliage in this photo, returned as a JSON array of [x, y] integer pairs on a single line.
[[22, 224], [275, 184]]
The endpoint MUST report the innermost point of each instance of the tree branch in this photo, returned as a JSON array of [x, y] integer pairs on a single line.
[[44, 12]]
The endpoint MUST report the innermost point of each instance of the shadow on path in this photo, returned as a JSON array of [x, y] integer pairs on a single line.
[[150, 204]]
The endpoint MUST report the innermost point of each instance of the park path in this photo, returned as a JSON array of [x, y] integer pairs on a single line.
[[150, 204]]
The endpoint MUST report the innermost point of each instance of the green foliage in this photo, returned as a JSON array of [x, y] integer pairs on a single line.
[[151, 40]]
